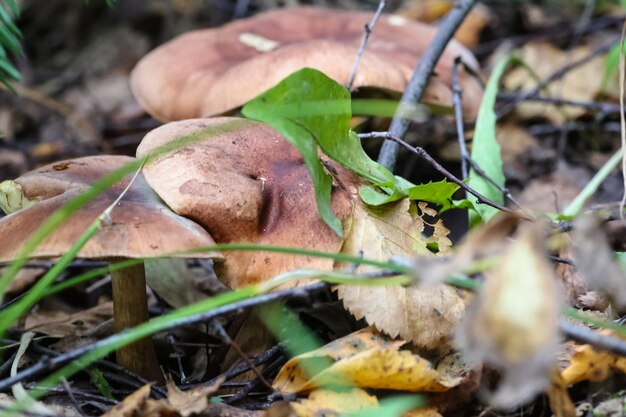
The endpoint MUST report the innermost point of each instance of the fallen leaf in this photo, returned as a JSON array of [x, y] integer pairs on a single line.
[[363, 359], [576, 289], [173, 281], [513, 323], [588, 364], [424, 315], [139, 404], [327, 403], [26, 277], [61, 324], [581, 83], [560, 402], [194, 400], [595, 262]]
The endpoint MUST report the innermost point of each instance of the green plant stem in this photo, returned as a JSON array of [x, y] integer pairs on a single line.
[[592, 186]]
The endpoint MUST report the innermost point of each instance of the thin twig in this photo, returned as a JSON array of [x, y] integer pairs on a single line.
[[556, 75], [603, 107], [221, 332], [584, 335], [70, 394], [366, 35], [421, 74], [423, 154]]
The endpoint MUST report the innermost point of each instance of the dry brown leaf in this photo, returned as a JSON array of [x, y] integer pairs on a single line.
[[588, 364], [191, 401], [482, 242], [323, 403], [62, 324], [139, 404], [595, 262], [424, 315], [576, 289], [513, 323], [363, 359], [581, 83], [26, 277]]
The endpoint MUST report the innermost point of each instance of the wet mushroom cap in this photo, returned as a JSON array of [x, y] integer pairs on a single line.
[[246, 183], [140, 226], [212, 71]]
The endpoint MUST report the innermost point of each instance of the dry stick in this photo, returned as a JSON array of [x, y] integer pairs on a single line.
[[423, 154], [366, 35], [600, 106], [583, 334], [556, 75], [421, 74], [223, 334]]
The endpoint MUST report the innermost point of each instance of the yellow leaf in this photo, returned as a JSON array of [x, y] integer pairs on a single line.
[[326, 403], [588, 364], [424, 315], [375, 363]]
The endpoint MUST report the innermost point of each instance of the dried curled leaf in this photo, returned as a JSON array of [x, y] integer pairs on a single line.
[[514, 322], [423, 315], [595, 262]]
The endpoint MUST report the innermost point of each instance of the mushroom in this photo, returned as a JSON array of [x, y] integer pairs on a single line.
[[210, 72], [248, 185], [139, 226]]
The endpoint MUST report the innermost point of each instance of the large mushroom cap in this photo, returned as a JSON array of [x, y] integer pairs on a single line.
[[140, 225], [247, 185], [209, 72]]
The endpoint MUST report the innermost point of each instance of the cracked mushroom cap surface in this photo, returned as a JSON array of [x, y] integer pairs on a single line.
[[244, 182], [212, 71], [139, 226]]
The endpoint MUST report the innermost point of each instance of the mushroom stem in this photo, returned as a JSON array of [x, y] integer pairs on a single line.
[[130, 308]]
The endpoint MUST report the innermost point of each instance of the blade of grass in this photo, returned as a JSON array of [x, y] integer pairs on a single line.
[[486, 150], [592, 186]]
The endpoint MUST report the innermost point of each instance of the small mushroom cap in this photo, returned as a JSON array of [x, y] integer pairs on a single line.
[[212, 71], [139, 226], [247, 185]]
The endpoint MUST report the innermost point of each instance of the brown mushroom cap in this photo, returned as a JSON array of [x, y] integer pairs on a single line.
[[209, 72], [247, 185], [140, 225]]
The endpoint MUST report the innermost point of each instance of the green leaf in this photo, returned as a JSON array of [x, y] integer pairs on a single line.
[[435, 192], [486, 150], [312, 110], [611, 64]]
